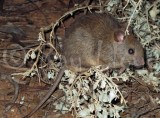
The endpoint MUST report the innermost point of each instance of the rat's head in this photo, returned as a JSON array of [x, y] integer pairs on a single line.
[[128, 50]]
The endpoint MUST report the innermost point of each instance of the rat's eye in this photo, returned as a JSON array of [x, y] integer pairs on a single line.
[[131, 51]]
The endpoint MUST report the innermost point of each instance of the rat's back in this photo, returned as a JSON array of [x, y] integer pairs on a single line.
[[83, 37]]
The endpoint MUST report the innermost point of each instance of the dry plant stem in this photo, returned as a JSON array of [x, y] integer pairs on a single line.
[[87, 75], [14, 68], [126, 4], [34, 67], [16, 89], [51, 45], [7, 56], [148, 18], [116, 88], [51, 90], [89, 2], [158, 46], [55, 98], [129, 22], [19, 81], [100, 2], [146, 112], [24, 48], [40, 78], [150, 40], [109, 82]]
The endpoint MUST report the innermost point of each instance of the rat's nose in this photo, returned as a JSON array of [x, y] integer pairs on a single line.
[[139, 62]]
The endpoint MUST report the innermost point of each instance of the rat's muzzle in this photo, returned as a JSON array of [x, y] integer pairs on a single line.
[[139, 62]]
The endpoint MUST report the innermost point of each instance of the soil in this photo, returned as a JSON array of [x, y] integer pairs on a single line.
[[30, 16]]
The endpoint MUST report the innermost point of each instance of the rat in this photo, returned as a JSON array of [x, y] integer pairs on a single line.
[[97, 39]]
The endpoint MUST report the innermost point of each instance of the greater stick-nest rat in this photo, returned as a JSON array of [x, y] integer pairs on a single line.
[[99, 39]]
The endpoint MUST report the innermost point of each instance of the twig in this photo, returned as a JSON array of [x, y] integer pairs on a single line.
[[16, 89], [129, 22]]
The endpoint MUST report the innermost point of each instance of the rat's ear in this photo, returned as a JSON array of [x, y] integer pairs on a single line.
[[119, 36]]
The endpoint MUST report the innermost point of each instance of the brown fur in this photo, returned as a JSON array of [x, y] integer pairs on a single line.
[[90, 41]]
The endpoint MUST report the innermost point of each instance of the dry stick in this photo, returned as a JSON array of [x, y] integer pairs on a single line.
[[24, 48], [16, 89], [146, 112], [129, 22], [51, 90], [34, 67]]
